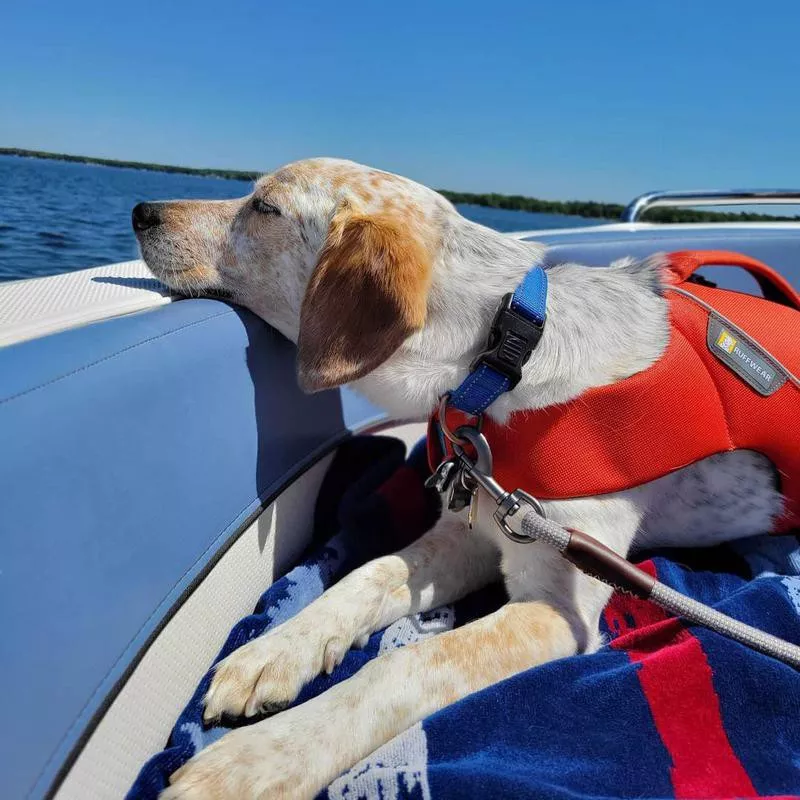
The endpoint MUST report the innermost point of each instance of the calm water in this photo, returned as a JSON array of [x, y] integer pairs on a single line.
[[57, 217]]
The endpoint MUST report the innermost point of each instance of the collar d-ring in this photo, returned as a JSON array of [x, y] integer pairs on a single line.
[[449, 435]]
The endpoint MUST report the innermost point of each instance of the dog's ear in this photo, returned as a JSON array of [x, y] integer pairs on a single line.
[[367, 294]]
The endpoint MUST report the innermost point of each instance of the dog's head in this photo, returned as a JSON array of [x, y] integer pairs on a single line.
[[337, 256]]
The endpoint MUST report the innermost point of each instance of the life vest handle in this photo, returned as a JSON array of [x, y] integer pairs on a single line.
[[683, 263]]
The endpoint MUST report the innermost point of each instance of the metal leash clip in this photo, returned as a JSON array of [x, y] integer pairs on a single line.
[[509, 504]]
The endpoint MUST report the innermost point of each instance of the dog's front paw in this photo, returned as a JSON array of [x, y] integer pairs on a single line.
[[265, 674], [270, 759], [222, 771], [268, 673]]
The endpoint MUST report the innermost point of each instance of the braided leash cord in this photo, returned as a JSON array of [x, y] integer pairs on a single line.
[[616, 571]]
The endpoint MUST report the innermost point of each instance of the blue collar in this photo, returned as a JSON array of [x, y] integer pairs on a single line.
[[515, 333]]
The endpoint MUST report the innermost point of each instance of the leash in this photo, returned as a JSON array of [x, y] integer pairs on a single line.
[[516, 330]]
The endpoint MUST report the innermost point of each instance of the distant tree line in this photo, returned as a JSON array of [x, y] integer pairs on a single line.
[[512, 202], [229, 174], [595, 210]]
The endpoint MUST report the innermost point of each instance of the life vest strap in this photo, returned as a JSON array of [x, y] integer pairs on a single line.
[[684, 263]]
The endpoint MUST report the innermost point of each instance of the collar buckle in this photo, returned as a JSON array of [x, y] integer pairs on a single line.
[[512, 339]]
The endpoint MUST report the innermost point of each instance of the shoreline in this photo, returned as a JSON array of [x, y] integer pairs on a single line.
[[227, 174], [589, 209]]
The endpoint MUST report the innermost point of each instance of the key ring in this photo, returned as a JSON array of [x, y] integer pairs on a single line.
[[454, 438]]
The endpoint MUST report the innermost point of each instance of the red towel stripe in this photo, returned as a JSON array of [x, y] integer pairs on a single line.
[[676, 679]]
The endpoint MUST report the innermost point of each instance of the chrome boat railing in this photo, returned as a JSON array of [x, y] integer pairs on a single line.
[[732, 197]]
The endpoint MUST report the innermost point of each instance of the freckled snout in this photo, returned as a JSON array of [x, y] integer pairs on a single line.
[[181, 242], [146, 215]]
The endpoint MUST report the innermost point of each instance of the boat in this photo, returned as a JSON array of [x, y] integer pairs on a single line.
[[159, 469]]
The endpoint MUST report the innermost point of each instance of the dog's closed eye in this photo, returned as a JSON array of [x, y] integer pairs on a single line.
[[263, 207]]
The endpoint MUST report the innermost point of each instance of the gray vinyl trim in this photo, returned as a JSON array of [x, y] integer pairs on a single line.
[[90, 766]]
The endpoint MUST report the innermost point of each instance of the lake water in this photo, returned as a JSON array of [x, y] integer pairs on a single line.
[[57, 217]]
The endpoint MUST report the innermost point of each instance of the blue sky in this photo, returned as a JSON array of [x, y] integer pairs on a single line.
[[588, 100]]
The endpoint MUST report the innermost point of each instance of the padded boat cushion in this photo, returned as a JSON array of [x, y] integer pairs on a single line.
[[596, 247], [131, 453]]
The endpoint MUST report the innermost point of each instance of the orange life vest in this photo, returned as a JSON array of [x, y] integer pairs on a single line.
[[726, 381]]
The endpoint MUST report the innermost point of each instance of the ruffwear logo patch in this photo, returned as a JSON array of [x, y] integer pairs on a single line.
[[726, 341], [744, 356]]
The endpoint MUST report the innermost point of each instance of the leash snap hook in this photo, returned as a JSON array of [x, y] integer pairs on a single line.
[[469, 436], [509, 504]]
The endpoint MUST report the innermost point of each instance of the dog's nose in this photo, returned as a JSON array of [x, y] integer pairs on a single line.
[[146, 215]]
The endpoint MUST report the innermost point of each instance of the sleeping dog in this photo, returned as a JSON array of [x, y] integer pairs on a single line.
[[384, 286]]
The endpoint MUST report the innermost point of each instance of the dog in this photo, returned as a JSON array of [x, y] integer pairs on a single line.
[[384, 286]]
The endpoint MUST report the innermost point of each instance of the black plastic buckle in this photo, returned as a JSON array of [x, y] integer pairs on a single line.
[[512, 339]]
